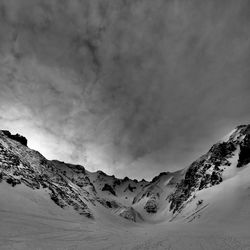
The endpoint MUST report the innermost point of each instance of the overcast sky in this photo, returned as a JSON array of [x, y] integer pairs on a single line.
[[131, 87]]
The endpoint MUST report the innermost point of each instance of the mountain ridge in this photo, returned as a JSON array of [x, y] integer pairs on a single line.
[[166, 197]]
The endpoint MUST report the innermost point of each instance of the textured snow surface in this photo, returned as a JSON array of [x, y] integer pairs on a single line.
[[29, 221]]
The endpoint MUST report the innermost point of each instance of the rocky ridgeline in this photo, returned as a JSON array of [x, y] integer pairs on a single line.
[[244, 143], [207, 170], [68, 185], [16, 170], [16, 137]]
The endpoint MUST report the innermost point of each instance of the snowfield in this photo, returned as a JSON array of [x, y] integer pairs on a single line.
[[65, 207]]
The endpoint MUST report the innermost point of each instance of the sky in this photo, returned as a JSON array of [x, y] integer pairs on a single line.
[[131, 87]]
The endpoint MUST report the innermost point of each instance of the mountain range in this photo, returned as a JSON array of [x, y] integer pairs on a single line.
[[214, 188]]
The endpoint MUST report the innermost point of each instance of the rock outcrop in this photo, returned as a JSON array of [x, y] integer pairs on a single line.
[[108, 188], [16, 137]]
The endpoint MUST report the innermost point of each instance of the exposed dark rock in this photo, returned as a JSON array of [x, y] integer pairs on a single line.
[[57, 200], [199, 202], [112, 204], [129, 214], [80, 169], [244, 155], [151, 206], [125, 179], [130, 188], [109, 204], [216, 178], [32, 183], [16, 137], [221, 151], [108, 188], [197, 177], [13, 181], [117, 182]]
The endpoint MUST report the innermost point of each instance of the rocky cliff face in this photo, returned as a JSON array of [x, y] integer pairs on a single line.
[[208, 170], [21, 165]]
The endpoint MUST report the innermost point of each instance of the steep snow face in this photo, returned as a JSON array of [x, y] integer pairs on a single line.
[[226, 205], [152, 202], [223, 161]]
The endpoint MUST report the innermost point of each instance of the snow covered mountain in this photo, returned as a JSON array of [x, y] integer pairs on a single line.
[[227, 159], [55, 205], [169, 196], [67, 185]]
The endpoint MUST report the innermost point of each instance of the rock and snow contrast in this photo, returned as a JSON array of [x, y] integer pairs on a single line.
[[55, 205]]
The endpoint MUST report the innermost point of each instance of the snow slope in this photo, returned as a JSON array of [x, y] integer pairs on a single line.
[[34, 223]]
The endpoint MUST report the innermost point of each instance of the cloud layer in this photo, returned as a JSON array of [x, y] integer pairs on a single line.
[[129, 87]]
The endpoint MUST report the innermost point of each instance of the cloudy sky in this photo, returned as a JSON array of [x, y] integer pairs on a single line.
[[132, 87]]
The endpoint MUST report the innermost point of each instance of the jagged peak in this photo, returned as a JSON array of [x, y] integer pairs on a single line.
[[244, 129], [237, 134], [243, 126]]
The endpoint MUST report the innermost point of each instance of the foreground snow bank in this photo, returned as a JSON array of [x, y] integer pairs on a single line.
[[31, 221]]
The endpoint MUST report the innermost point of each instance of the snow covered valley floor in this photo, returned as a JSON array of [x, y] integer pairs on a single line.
[[30, 222]]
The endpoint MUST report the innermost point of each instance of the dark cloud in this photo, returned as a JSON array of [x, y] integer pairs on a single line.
[[130, 87]]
